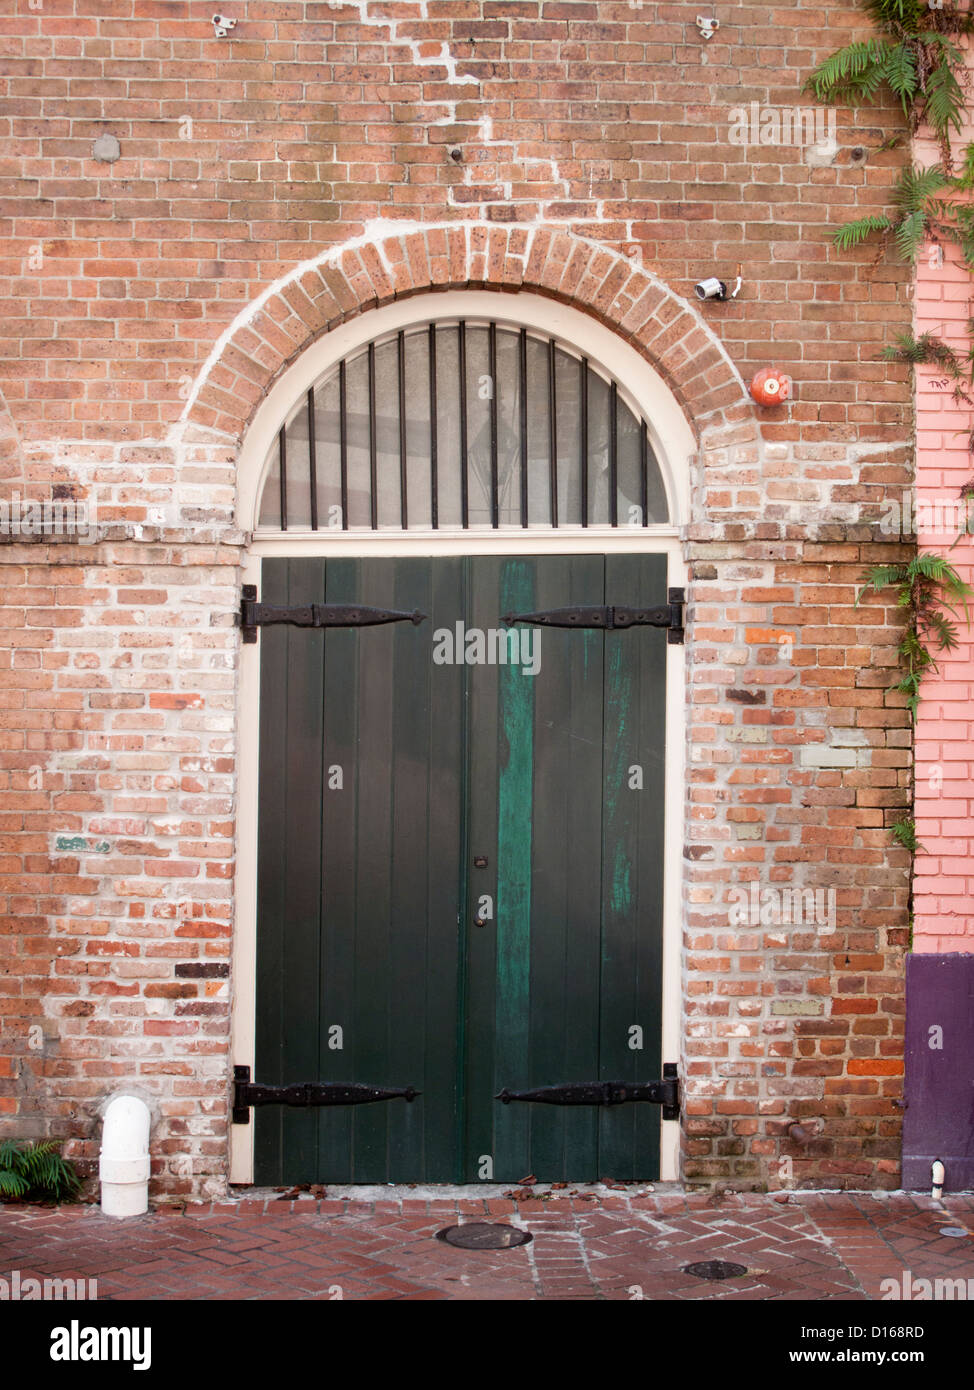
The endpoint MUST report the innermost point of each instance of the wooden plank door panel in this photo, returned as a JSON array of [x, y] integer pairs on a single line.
[[383, 778], [358, 874], [288, 874], [634, 729], [571, 963]]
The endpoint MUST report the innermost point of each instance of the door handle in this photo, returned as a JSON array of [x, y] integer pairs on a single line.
[[480, 921]]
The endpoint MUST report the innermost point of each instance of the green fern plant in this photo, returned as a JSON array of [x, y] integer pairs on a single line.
[[924, 208], [927, 587], [904, 832], [36, 1171], [930, 351], [913, 57]]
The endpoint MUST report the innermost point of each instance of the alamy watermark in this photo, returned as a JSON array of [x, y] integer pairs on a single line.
[[781, 125], [909, 515], [77, 1343], [475, 646], [910, 1290], [754, 906], [53, 515], [26, 1288]]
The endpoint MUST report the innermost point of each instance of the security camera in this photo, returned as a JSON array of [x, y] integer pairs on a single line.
[[222, 24], [711, 289]]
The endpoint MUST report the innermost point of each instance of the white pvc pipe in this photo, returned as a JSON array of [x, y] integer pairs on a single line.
[[124, 1164], [937, 1178]]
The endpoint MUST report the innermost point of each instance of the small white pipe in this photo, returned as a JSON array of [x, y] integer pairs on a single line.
[[124, 1164], [937, 1174]]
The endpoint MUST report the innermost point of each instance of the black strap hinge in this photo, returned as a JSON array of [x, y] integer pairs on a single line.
[[247, 1093], [254, 615], [665, 1093], [612, 617]]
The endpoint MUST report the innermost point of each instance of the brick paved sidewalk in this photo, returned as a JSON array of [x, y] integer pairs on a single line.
[[812, 1246]]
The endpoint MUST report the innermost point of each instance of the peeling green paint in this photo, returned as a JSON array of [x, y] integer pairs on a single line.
[[620, 890], [73, 843], [514, 821], [618, 714]]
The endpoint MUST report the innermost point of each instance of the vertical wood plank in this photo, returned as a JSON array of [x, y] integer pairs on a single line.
[[479, 1139], [565, 916], [289, 791], [515, 825], [634, 737]]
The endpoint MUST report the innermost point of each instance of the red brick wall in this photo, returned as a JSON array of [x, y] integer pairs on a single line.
[[135, 355], [797, 769]]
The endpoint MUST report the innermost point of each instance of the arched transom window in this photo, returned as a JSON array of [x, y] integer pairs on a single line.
[[462, 424]]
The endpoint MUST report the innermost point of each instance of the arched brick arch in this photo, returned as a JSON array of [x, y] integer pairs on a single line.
[[320, 295]]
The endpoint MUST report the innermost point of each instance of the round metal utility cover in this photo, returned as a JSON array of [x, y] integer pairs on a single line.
[[715, 1269], [479, 1235]]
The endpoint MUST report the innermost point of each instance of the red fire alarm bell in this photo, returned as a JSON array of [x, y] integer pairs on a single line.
[[770, 386]]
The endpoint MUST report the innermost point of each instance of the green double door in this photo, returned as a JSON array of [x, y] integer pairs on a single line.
[[460, 870]]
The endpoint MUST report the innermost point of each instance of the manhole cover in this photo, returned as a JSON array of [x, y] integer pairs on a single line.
[[479, 1235], [956, 1231], [715, 1269]]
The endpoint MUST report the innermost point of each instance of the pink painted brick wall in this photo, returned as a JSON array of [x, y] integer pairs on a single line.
[[944, 883]]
